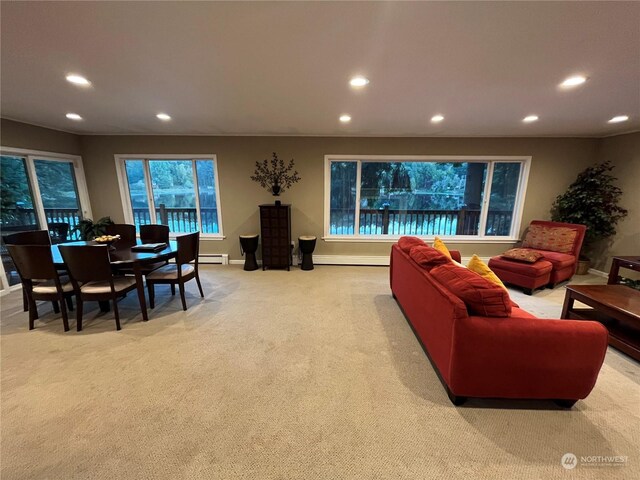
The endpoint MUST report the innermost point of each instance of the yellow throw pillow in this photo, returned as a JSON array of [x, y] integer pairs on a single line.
[[481, 268], [441, 247]]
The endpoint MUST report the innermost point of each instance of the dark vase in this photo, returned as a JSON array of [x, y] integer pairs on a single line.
[[275, 189]]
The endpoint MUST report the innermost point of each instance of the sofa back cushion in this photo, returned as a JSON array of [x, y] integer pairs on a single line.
[[428, 257], [556, 238], [479, 295], [405, 243]]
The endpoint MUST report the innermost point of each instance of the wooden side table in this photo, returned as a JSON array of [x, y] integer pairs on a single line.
[[632, 263]]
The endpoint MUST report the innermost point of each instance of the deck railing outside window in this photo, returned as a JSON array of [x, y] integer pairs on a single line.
[[418, 222]]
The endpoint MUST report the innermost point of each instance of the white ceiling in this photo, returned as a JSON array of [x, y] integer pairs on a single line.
[[283, 68]]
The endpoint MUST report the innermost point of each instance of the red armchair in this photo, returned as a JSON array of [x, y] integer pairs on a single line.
[[558, 243]]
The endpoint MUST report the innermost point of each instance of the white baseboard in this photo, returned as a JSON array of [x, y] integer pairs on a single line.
[[213, 258], [598, 272], [365, 260]]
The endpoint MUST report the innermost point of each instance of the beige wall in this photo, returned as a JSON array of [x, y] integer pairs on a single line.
[[554, 166], [22, 135], [624, 153]]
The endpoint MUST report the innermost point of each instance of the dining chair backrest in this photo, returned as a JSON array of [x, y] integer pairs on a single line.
[[33, 237], [58, 231], [33, 261], [188, 247], [154, 233], [126, 231], [87, 263]]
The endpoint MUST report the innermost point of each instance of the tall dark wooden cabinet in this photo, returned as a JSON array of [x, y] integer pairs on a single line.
[[275, 230]]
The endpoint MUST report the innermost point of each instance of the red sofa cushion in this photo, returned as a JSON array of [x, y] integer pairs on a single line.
[[545, 237], [558, 260], [428, 257], [405, 243], [479, 295]]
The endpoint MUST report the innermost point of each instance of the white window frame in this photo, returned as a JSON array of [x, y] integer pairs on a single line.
[[126, 197], [525, 161], [30, 156]]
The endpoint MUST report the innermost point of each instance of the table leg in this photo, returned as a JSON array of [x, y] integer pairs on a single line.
[[140, 287], [567, 305], [613, 272]]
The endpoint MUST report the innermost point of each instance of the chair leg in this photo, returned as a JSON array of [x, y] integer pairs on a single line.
[[70, 303], [25, 300], [56, 306], [33, 313], [199, 285], [78, 313], [152, 294], [116, 313], [65, 317], [184, 301], [173, 289]]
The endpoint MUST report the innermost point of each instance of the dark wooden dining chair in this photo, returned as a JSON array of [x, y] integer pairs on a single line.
[[58, 231], [32, 237], [92, 277], [126, 231], [180, 272], [154, 233], [35, 262]]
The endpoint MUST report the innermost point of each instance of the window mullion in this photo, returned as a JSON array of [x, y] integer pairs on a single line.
[[356, 230], [149, 184], [486, 199], [196, 189], [38, 205]]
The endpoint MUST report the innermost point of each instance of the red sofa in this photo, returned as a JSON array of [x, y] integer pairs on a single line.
[[519, 356], [554, 267]]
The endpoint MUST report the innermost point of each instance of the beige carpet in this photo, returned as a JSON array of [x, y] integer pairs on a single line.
[[281, 375]]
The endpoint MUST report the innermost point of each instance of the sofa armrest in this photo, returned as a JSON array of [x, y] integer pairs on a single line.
[[527, 357], [455, 254]]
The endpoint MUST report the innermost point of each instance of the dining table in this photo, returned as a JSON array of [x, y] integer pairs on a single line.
[[123, 258]]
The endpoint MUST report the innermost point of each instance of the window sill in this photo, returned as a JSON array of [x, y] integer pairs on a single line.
[[207, 237], [394, 238]]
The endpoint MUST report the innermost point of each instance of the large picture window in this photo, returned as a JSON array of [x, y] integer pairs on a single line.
[[40, 190], [374, 197], [178, 191]]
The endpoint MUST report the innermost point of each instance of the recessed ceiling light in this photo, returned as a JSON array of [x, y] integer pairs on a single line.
[[619, 118], [437, 118], [345, 118], [78, 80], [573, 81], [530, 118], [164, 117], [359, 81], [73, 116]]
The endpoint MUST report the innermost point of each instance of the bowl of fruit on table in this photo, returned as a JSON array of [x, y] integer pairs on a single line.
[[107, 240]]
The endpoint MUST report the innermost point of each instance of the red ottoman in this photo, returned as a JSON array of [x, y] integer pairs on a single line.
[[529, 276]]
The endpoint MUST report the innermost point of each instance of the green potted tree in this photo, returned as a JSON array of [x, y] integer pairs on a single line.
[[591, 200], [89, 229]]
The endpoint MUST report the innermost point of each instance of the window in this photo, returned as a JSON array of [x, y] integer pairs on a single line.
[[40, 191], [178, 191], [378, 198]]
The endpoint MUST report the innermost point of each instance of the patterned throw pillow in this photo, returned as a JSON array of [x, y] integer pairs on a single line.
[[555, 239], [523, 255]]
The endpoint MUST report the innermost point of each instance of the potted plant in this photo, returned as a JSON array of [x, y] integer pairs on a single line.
[[274, 175], [591, 200], [89, 229]]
